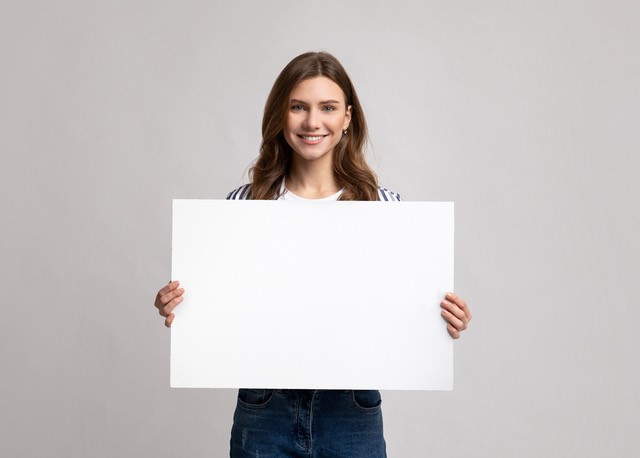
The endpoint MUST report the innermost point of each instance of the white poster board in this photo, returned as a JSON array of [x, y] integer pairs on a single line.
[[312, 295]]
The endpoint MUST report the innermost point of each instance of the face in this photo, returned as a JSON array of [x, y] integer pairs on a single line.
[[316, 118]]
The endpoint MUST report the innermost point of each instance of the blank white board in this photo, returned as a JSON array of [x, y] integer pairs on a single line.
[[312, 295]]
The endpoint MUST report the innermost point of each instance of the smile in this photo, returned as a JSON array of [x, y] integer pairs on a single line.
[[312, 138]]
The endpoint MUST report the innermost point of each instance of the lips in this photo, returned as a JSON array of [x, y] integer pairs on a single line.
[[311, 139]]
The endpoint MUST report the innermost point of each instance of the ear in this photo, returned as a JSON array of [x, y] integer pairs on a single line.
[[347, 117]]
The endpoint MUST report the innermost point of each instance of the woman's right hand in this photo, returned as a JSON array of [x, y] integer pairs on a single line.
[[167, 299]]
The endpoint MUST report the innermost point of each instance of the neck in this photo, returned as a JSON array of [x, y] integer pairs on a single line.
[[311, 179]]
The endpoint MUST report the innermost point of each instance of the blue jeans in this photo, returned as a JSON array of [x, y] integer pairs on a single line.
[[307, 423]]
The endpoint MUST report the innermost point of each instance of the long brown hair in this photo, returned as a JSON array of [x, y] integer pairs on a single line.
[[349, 166]]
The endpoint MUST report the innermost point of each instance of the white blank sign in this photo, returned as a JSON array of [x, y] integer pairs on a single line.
[[312, 295]]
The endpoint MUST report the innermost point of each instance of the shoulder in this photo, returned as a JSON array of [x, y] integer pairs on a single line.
[[386, 195], [241, 193]]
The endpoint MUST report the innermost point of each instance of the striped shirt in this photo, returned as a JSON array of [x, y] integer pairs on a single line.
[[244, 193]]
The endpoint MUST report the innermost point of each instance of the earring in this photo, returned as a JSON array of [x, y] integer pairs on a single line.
[[344, 132]]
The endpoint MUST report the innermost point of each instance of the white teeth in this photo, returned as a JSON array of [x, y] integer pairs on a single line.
[[312, 139]]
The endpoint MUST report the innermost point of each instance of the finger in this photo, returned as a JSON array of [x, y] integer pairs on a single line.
[[454, 309], [460, 303], [453, 332], [163, 291], [169, 287], [169, 320], [166, 310], [454, 321], [164, 300]]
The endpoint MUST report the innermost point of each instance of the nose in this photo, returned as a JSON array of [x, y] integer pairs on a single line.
[[312, 120]]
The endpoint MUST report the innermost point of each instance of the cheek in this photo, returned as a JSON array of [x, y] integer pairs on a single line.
[[288, 133], [339, 124], [290, 125]]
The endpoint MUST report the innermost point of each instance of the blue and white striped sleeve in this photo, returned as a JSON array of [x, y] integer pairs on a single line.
[[241, 193], [385, 195]]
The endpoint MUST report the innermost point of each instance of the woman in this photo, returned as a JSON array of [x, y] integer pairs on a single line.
[[314, 134]]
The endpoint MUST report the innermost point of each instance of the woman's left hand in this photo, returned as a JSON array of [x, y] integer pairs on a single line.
[[456, 313]]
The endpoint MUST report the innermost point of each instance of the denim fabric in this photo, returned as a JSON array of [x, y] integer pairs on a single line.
[[307, 423]]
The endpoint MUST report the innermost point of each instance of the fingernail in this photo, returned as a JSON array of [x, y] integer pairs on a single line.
[[449, 295]]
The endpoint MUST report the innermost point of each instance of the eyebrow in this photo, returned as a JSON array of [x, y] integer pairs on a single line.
[[324, 102]]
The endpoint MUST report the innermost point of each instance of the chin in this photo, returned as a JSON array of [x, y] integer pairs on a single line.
[[312, 156]]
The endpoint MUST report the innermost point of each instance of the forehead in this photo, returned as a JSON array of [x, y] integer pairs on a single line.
[[317, 89]]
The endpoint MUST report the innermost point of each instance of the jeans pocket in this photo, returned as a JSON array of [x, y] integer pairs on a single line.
[[367, 400], [254, 399]]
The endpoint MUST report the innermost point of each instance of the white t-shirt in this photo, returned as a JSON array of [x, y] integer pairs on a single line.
[[285, 194]]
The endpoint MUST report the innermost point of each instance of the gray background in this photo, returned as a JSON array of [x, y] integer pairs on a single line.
[[523, 113]]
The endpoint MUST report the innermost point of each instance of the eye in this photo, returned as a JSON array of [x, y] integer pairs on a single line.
[[328, 108], [297, 108]]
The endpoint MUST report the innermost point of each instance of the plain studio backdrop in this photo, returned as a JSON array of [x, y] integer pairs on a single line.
[[524, 113]]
